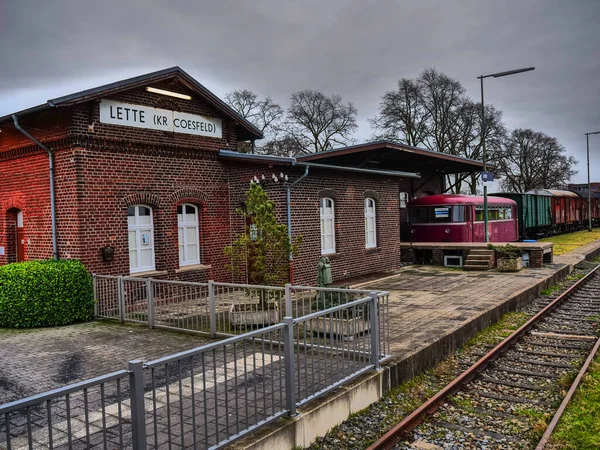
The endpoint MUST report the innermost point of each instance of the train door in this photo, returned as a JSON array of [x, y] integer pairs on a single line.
[[20, 237]]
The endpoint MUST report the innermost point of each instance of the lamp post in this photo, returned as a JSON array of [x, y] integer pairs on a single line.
[[587, 138], [485, 200]]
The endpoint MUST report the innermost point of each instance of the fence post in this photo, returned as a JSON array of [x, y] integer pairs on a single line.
[[290, 373], [150, 297], [374, 330], [212, 308], [121, 299], [95, 287], [288, 300], [138, 408]]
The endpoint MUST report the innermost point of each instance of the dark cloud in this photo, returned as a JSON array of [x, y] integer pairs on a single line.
[[357, 49]]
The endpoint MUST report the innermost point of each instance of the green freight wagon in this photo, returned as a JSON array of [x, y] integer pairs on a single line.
[[535, 212]]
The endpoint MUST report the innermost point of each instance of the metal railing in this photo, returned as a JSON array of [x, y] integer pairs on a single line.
[[212, 308], [95, 413], [209, 396]]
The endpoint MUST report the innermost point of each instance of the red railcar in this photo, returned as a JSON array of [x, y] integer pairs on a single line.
[[566, 209], [459, 218], [595, 208]]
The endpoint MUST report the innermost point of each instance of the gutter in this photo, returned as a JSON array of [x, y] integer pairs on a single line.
[[52, 193], [390, 173]]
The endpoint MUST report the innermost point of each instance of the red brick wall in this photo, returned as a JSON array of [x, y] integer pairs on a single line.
[[101, 169], [24, 185], [348, 192]]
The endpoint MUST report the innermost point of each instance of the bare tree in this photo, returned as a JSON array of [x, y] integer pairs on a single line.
[[464, 140], [316, 122], [265, 114], [442, 98], [402, 115], [433, 111], [534, 160]]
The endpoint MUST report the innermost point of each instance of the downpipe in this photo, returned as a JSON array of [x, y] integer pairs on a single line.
[[52, 193], [288, 193]]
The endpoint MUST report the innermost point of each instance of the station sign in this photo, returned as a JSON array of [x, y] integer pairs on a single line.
[[487, 176], [139, 116]]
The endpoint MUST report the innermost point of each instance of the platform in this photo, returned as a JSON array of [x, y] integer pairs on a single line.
[[433, 253], [433, 311]]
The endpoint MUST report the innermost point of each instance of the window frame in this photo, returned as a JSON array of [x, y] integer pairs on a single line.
[[139, 229], [369, 215], [182, 227], [404, 199], [327, 217]]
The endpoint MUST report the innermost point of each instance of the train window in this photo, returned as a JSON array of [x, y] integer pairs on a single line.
[[430, 214], [478, 213], [458, 214]]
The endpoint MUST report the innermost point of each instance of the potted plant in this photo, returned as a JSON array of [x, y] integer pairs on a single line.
[[260, 256], [511, 260], [346, 323]]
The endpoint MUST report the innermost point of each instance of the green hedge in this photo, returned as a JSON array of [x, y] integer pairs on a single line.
[[45, 294]]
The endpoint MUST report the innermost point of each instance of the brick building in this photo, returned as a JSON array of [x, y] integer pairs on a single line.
[[147, 167], [583, 187]]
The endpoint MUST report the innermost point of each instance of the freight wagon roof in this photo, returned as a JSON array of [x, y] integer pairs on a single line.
[[458, 199], [553, 193]]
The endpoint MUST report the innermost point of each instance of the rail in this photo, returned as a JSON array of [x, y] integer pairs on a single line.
[[409, 423]]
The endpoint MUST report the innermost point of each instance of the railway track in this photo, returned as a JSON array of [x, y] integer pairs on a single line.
[[507, 397]]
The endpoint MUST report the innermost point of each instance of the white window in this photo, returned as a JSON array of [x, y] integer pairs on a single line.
[[187, 221], [141, 238], [370, 225], [403, 199], [327, 226]]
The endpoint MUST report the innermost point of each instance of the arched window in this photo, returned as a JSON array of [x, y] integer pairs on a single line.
[[370, 225], [187, 222], [141, 238], [327, 226]]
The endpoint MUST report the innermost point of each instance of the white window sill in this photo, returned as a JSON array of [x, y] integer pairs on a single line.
[[193, 267], [149, 273]]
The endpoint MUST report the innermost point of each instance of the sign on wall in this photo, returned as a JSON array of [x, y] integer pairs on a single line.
[[138, 116]]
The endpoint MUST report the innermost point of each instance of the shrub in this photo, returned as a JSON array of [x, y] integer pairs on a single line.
[[508, 250], [45, 294]]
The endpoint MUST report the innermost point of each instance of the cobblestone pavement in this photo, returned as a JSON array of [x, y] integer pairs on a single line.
[[34, 361]]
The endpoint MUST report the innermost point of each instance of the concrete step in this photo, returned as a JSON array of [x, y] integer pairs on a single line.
[[481, 251], [470, 262], [473, 267], [480, 257]]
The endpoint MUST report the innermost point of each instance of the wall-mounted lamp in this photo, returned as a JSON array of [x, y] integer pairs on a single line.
[[169, 93], [108, 253]]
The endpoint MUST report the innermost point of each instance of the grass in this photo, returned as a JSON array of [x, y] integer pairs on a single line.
[[565, 243], [579, 427]]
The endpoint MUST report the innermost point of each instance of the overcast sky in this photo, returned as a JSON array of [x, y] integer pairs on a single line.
[[358, 49]]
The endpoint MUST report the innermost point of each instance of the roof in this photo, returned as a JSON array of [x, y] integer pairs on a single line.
[[458, 199], [553, 192], [386, 154], [248, 131], [271, 160]]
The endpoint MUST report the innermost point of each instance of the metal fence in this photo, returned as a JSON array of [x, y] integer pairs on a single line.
[[209, 396], [212, 308]]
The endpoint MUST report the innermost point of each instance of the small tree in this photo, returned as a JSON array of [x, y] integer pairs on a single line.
[[262, 252]]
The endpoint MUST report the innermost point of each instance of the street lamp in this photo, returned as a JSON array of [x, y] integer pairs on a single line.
[[587, 138], [485, 202]]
